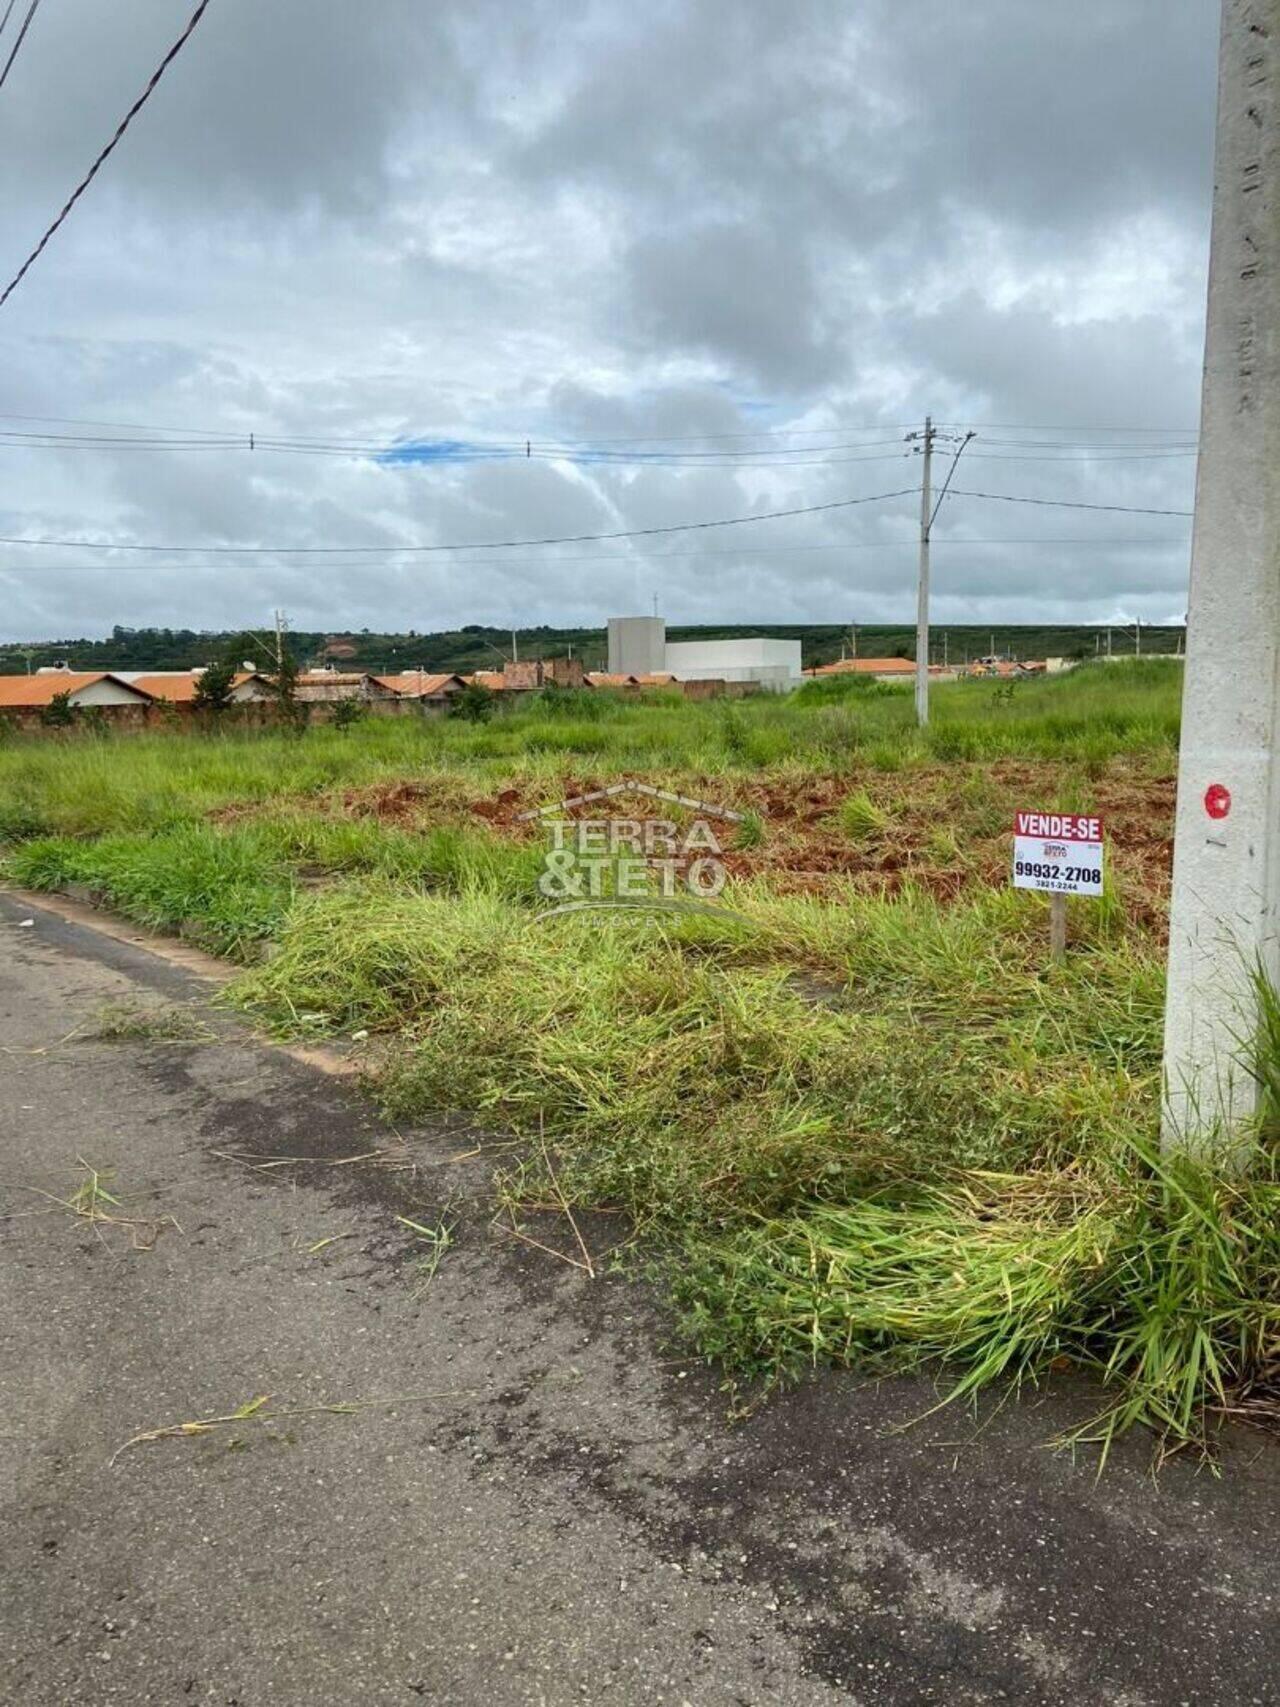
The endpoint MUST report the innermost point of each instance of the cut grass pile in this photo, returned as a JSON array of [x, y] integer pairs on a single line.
[[876, 1133], [692, 1070], [126, 1021], [1161, 1279]]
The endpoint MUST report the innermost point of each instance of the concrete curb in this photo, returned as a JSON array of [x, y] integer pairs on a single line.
[[86, 917]]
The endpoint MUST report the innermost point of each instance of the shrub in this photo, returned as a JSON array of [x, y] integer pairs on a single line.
[[475, 704]]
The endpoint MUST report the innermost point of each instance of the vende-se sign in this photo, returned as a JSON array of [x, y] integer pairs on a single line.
[[1058, 851]]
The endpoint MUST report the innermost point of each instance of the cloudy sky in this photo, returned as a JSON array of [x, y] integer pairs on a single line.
[[708, 258]]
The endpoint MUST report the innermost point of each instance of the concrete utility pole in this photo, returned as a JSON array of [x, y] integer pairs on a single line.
[[922, 581], [928, 515], [1226, 869]]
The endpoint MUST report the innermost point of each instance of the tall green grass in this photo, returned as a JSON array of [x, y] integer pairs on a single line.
[[234, 885], [90, 787], [936, 1154], [863, 1128]]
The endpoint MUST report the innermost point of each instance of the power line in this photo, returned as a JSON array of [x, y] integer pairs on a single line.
[[26, 25], [461, 454], [955, 461], [517, 442], [7, 11], [1072, 504], [93, 171], [622, 561], [1026, 427], [1084, 456], [404, 456], [477, 545]]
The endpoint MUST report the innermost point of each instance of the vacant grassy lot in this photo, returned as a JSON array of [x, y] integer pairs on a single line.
[[858, 1116]]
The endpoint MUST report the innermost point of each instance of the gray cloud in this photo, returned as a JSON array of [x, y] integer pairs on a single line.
[[604, 223]]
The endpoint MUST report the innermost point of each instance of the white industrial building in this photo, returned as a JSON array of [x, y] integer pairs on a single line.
[[638, 646]]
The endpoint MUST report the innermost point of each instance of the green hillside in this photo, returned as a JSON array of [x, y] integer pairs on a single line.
[[476, 647]]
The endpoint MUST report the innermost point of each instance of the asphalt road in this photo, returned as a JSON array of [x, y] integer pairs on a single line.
[[527, 1495]]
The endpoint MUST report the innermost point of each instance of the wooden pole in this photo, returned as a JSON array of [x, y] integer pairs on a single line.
[[1058, 927]]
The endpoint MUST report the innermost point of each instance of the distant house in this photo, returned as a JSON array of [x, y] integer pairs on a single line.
[[178, 687], [879, 669], [430, 690], [83, 688], [609, 679], [528, 675], [323, 687], [1006, 667]]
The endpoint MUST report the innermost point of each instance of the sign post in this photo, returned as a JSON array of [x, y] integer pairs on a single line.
[[1059, 853], [1058, 927]]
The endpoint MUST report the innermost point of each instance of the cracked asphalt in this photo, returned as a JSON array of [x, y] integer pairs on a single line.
[[497, 1482]]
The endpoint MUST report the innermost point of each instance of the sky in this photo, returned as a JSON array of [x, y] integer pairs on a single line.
[[705, 259]]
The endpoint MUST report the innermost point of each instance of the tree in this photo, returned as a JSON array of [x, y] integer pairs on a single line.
[[284, 688], [475, 704], [214, 685], [59, 713], [348, 712]]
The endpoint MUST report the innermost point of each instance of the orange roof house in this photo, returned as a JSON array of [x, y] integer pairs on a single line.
[[82, 687], [883, 669], [178, 687], [866, 667], [419, 684]]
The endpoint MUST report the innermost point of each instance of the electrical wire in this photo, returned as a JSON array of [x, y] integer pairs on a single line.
[[477, 545], [93, 171], [409, 455], [841, 546], [26, 25], [1072, 504], [1024, 427], [517, 443], [955, 460]]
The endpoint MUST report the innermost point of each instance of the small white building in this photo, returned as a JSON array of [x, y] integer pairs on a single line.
[[775, 664], [638, 646]]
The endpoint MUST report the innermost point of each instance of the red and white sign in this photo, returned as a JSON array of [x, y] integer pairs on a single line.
[[1060, 852]]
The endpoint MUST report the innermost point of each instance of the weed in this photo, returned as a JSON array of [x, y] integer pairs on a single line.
[[750, 832], [948, 1156], [126, 1021], [859, 817], [437, 1239]]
